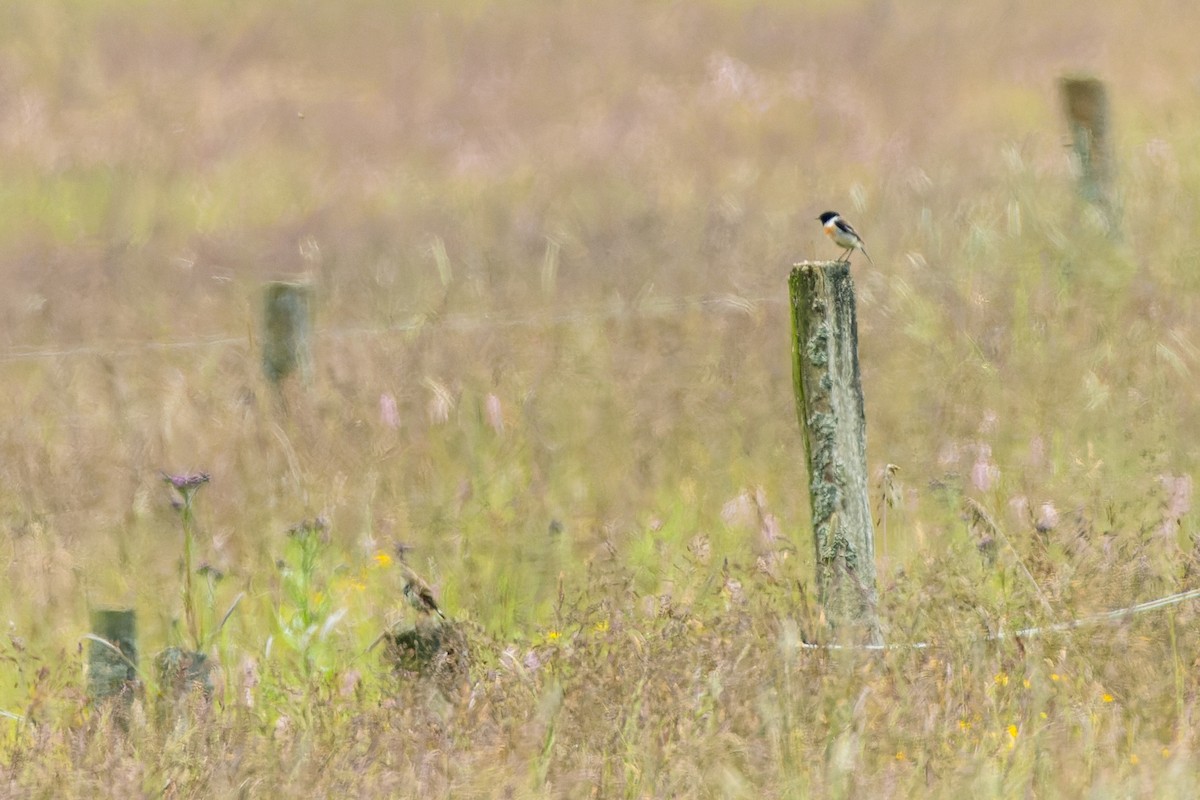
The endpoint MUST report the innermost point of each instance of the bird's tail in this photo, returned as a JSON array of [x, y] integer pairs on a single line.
[[868, 255]]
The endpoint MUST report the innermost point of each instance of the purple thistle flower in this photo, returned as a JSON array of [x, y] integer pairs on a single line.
[[209, 571], [187, 482], [310, 527]]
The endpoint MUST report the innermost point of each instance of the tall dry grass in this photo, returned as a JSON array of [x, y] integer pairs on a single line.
[[555, 237]]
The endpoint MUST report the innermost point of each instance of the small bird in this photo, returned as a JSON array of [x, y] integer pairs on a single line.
[[418, 593], [843, 235]]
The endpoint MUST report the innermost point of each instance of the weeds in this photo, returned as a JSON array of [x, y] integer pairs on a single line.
[[549, 244], [306, 616], [187, 486]]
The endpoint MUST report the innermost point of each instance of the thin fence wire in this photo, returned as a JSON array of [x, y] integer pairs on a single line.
[[645, 309], [459, 323], [1027, 633]]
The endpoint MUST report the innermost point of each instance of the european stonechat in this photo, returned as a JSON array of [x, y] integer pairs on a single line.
[[418, 593], [843, 235]]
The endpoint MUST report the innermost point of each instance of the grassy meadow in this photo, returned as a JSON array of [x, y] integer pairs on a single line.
[[549, 244]]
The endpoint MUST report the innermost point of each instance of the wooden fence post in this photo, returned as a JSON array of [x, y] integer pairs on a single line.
[[287, 327], [1085, 103], [829, 406], [112, 662]]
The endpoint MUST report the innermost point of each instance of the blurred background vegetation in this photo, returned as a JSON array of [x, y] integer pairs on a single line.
[[555, 236]]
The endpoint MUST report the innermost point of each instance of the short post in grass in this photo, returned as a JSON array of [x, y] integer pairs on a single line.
[[112, 656], [829, 406], [435, 651], [287, 330], [1085, 103]]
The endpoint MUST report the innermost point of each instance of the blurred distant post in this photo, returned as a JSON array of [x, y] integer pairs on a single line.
[[112, 656], [1085, 102], [287, 329], [829, 406]]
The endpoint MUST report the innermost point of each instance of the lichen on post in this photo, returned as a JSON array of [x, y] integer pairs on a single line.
[[113, 656], [438, 651], [829, 407]]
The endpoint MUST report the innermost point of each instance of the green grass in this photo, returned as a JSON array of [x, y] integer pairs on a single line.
[[511, 214]]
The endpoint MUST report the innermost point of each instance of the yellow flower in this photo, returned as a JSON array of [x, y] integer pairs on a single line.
[[1054, 677], [382, 559], [1166, 753], [552, 636], [1042, 715], [1001, 679], [1012, 732], [601, 626], [963, 725], [1026, 683], [349, 584], [1108, 698], [900, 755], [1133, 759]]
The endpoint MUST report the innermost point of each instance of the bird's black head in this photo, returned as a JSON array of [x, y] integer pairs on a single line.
[[828, 215]]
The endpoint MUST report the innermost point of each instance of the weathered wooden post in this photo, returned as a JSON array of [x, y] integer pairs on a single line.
[[1085, 103], [113, 656], [829, 406], [287, 328]]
